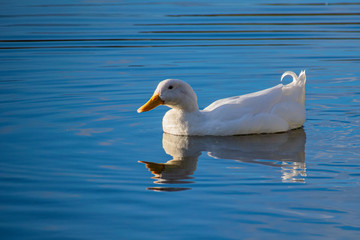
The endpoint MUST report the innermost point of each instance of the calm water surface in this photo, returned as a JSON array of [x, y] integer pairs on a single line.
[[73, 74]]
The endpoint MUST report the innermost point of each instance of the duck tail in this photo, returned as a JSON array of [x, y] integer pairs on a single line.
[[297, 80]]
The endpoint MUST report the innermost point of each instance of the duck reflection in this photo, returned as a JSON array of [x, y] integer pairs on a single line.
[[284, 150]]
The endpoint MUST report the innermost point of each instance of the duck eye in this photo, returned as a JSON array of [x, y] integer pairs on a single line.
[[170, 87]]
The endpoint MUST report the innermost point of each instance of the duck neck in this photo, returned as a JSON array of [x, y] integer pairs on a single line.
[[185, 106], [190, 107]]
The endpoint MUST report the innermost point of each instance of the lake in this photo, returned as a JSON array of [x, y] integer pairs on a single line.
[[78, 162]]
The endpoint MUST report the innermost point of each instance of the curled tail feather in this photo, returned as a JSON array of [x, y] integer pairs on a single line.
[[297, 87], [298, 80]]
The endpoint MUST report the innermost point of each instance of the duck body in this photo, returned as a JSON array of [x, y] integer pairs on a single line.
[[277, 109]]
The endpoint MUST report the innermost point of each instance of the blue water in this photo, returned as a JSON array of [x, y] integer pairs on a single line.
[[73, 73]]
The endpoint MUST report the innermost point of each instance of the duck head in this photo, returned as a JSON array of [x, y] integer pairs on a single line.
[[173, 93]]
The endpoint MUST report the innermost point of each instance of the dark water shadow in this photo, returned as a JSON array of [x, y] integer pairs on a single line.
[[283, 150]]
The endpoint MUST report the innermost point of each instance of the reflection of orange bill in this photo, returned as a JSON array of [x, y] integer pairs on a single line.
[[155, 168]]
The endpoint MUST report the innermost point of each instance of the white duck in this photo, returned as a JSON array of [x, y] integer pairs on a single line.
[[277, 109]]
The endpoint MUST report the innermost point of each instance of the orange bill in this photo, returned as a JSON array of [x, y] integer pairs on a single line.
[[154, 101]]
